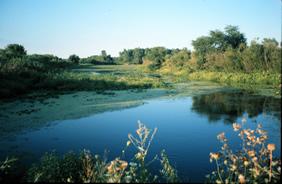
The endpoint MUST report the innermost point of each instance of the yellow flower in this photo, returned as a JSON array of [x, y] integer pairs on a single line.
[[241, 178], [255, 159], [221, 136], [251, 153], [123, 164], [236, 127], [271, 147], [246, 163], [214, 156], [233, 167], [247, 132], [128, 143]]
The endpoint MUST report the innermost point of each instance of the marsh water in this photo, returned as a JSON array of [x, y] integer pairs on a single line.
[[187, 127]]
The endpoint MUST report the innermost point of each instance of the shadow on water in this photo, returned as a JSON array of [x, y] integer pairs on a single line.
[[231, 105]]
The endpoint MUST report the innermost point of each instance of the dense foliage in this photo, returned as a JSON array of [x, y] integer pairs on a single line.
[[22, 74], [102, 59], [222, 56], [225, 51]]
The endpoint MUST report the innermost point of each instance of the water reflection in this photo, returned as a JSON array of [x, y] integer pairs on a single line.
[[229, 106]]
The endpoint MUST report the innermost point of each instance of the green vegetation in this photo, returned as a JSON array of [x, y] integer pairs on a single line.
[[253, 163], [21, 74], [103, 59], [222, 56]]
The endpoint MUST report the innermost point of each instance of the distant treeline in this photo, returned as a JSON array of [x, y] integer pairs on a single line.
[[22, 74], [219, 51]]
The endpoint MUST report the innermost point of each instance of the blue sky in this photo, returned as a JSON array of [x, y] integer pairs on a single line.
[[85, 27]]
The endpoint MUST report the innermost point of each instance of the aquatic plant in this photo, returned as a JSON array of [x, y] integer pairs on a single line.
[[253, 163]]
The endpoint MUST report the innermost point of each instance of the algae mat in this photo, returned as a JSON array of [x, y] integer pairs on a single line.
[[26, 114]]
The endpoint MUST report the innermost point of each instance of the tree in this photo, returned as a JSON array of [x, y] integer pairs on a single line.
[[138, 55], [233, 36], [104, 53], [74, 59], [15, 51], [272, 54], [217, 42], [202, 46]]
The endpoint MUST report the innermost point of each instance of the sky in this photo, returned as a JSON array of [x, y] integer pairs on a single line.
[[85, 27]]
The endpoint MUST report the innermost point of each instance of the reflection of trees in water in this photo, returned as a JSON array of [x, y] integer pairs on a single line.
[[229, 106]]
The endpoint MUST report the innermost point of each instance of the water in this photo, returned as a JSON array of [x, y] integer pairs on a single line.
[[187, 129]]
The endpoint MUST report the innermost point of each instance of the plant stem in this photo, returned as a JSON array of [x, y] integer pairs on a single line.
[[218, 171]]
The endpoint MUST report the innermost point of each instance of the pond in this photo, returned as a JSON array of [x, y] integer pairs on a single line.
[[187, 129]]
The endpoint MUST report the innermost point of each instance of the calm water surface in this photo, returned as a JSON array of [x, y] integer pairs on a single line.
[[187, 129]]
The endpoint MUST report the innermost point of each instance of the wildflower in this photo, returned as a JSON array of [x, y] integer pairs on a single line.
[[254, 159], [69, 180], [262, 132], [117, 165], [251, 153], [110, 167], [138, 155], [263, 138], [218, 181], [258, 141], [128, 143], [123, 164], [233, 167], [138, 131], [236, 127], [241, 178], [214, 156], [247, 132], [221, 136], [246, 163], [271, 147]]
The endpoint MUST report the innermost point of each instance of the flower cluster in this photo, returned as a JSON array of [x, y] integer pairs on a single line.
[[253, 163]]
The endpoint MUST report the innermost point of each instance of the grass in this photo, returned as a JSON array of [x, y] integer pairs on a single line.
[[258, 78], [250, 81], [14, 84]]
